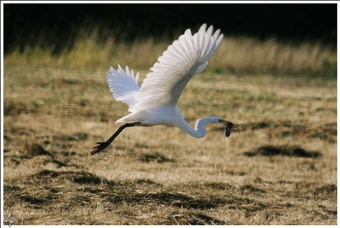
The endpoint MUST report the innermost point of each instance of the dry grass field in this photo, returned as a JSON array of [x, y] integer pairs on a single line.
[[280, 168]]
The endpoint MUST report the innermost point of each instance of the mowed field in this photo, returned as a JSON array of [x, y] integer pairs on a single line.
[[279, 168]]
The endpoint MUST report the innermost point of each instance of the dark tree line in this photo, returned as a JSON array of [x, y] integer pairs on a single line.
[[31, 24]]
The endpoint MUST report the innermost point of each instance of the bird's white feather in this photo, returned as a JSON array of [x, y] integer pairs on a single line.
[[183, 59], [123, 85], [154, 103]]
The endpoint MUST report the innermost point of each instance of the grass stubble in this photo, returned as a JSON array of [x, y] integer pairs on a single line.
[[280, 168]]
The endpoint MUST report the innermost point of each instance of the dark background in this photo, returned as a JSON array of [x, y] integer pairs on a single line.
[[58, 24]]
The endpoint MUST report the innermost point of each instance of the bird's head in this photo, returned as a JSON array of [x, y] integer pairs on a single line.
[[229, 126]]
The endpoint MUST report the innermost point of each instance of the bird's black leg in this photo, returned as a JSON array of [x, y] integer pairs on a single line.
[[102, 145]]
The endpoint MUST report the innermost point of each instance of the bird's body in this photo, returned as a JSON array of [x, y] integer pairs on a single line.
[[155, 101]]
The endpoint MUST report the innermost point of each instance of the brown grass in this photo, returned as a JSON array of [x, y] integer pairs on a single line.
[[280, 168]]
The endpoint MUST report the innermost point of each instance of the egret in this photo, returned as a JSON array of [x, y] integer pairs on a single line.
[[155, 101]]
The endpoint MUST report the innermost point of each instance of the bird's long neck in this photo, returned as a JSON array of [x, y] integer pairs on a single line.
[[199, 130]]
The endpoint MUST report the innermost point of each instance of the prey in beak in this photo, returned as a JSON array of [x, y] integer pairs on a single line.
[[229, 126]]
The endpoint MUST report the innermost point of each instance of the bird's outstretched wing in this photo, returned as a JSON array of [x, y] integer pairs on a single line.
[[123, 85], [183, 59]]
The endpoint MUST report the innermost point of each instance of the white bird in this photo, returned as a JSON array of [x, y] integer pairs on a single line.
[[154, 102]]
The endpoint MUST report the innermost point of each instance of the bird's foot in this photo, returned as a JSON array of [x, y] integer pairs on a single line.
[[100, 146]]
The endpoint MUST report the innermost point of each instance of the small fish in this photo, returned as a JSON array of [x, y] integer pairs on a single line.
[[229, 127]]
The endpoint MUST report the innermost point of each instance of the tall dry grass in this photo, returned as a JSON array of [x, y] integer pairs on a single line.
[[250, 55], [236, 54]]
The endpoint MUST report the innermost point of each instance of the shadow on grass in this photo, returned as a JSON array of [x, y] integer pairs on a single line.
[[169, 198], [287, 128], [155, 157], [81, 190], [80, 177], [288, 151]]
